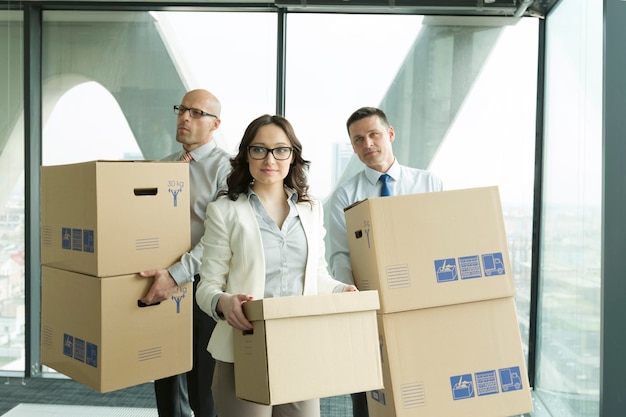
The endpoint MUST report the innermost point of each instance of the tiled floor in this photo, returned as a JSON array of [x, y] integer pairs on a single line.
[[55, 392], [328, 409], [62, 397], [50, 410]]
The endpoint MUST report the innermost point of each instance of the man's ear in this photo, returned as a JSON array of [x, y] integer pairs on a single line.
[[392, 134]]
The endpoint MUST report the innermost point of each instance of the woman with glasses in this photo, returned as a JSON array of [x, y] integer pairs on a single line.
[[264, 237]]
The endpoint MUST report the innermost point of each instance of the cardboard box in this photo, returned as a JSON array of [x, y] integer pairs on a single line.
[[110, 218], [94, 331], [306, 347], [461, 360], [431, 249]]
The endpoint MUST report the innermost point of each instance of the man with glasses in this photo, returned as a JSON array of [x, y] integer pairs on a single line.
[[371, 137], [198, 116]]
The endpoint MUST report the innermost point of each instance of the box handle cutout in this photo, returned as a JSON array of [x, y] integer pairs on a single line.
[[141, 304], [146, 191], [247, 332], [358, 234]]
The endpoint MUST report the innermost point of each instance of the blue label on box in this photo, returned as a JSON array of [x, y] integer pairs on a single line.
[[462, 386], [80, 350], [469, 267], [486, 383], [378, 396], [178, 297], [79, 240], [88, 241], [66, 238], [446, 270], [175, 187], [510, 379], [68, 345], [92, 355], [493, 264]]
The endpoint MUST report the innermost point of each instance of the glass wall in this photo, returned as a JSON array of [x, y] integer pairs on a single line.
[[461, 96], [350, 63], [440, 81], [460, 93], [491, 141], [569, 323], [12, 281], [104, 108]]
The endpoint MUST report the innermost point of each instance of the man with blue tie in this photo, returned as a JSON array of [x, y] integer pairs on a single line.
[[371, 137]]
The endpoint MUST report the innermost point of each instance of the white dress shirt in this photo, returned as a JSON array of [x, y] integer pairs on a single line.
[[365, 184], [207, 175], [285, 249]]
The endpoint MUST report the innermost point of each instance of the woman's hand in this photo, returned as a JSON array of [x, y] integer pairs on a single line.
[[229, 305], [350, 288]]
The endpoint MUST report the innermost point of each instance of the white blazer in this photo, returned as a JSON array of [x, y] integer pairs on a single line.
[[233, 261]]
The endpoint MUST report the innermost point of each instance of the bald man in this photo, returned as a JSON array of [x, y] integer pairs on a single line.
[[198, 117]]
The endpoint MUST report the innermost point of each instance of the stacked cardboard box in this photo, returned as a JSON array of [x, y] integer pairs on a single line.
[[306, 347], [449, 332], [102, 222]]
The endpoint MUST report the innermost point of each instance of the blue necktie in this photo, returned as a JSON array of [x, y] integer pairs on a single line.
[[384, 190]]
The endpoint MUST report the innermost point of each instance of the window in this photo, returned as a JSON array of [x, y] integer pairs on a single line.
[[440, 84], [115, 101], [568, 369], [461, 100], [12, 282]]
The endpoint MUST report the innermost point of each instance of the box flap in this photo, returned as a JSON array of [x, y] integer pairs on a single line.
[[310, 305], [356, 203]]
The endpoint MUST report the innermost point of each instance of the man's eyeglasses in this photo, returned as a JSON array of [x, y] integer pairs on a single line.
[[195, 113], [259, 152]]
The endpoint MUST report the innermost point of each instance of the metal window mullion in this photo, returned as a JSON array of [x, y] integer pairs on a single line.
[[32, 162], [537, 207], [281, 53]]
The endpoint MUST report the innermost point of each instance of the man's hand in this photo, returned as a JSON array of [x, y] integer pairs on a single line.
[[162, 287]]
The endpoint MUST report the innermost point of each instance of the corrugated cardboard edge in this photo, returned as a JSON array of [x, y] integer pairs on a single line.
[[356, 203], [107, 161], [295, 306]]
